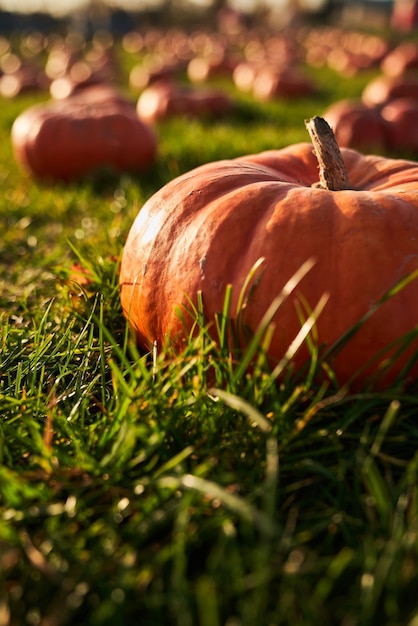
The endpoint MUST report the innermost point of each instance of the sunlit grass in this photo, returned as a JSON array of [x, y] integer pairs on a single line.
[[130, 487]]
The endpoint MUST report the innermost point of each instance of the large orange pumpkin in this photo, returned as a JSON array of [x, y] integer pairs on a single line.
[[207, 228], [67, 139]]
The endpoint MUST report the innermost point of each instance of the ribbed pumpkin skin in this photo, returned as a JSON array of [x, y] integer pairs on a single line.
[[208, 227], [67, 139]]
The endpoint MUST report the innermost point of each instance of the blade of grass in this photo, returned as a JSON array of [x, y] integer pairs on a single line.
[[238, 505], [239, 404], [384, 426], [222, 320], [300, 338], [277, 302]]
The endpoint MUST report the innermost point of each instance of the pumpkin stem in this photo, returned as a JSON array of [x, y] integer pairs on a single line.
[[332, 171]]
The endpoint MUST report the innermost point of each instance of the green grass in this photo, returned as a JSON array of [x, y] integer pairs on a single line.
[[130, 492]]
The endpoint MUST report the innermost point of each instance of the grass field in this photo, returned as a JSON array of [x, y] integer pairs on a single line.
[[132, 494]]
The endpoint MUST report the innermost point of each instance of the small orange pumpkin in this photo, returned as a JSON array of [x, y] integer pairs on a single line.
[[401, 59], [382, 89], [290, 82], [165, 99], [67, 139], [207, 229], [401, 117], [356, 125]]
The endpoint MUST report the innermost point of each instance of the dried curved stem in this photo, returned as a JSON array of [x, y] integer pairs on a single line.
[[332, 171]]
